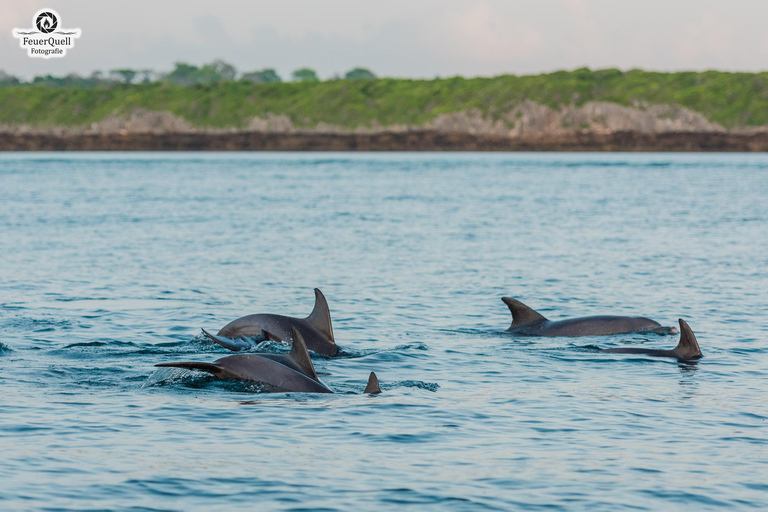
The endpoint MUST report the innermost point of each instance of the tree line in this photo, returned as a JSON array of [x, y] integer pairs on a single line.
[[183, 74]]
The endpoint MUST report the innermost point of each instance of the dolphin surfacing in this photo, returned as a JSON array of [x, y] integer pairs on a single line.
[[316, 329], [283, 373], [529, 322], [372, 388], [687, 349]]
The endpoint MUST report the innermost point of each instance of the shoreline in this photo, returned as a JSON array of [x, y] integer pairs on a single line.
[[416, 140]]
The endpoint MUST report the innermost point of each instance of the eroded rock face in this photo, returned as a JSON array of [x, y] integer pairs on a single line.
[[602, 117], [142, 121], [526, 120], [271, 124], [469, 121], [532, 119]]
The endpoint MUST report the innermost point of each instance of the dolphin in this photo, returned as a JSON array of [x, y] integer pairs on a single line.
[[372, 388], [529, 322], [686, 350], [316, 329], [293, 372]]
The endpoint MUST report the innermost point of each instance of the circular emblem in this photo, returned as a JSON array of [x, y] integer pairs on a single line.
[[46, 22]]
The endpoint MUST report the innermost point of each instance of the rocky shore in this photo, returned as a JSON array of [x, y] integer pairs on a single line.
[[594, 126], [423, 140]]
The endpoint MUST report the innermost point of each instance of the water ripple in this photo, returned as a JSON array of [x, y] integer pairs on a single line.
[[113, 261]]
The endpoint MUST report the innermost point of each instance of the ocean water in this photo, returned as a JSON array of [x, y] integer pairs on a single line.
[[112, 262]]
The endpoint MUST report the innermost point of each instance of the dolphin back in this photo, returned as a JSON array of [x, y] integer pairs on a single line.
[[247, 331], [686, 349], [255, 368]]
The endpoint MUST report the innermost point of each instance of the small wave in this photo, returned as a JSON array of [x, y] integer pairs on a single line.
[[355, 353], [5, 348], [28, 324], [483, 333], [586, 348], [358, 388], [101, 344], [190, 379], [418, 384], [196, 344], [744, 351], [174, 376], [279, 347], [272, 347]]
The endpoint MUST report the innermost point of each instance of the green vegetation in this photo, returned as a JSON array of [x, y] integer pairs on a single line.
[[70, 80], [187, 74], [305, 75], [359, 74], [125, 74], [6, 79], [265, 76], [732, 99]]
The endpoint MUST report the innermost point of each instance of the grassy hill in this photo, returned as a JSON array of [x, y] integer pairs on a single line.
[[731, 99]]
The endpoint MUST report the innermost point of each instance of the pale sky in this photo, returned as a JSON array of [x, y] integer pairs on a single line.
[[400, 38]]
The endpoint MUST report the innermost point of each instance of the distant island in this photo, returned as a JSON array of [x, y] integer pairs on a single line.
[[212, 107]]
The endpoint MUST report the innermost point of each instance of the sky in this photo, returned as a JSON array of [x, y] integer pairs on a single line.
[[398, 38]]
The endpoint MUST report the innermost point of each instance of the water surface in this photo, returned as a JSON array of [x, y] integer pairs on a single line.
[[112, 262]]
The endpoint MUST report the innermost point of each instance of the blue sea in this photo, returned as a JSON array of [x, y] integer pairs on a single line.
[[112, 262]]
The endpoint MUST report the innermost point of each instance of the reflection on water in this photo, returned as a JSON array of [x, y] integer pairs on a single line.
[[688, 382]]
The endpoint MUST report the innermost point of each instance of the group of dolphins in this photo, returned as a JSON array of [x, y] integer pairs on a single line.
[[294, 372]]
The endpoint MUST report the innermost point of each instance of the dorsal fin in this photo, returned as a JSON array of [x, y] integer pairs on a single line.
[[373, 385], [320, 318], [300, 355], [521, 314], [688, 347]]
